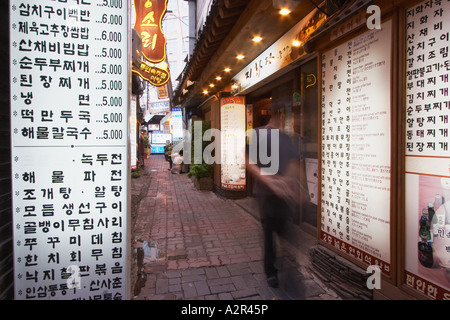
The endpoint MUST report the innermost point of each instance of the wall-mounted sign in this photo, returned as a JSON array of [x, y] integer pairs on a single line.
[[157, 76], [160, 137], [177, 124], [356, 139], [149, 15], [69, 145], [159, 107], [233, 133], [133, 133], [279, 54], [427, 162], [153, 127], [162, 92]]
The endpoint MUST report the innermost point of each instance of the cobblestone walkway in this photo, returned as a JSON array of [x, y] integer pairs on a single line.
[[209, 247]]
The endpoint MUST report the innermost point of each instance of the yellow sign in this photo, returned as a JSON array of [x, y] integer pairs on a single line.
[[155, 75]]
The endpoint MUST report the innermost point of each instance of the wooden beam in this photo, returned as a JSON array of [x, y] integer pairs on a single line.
[[235, 3], [219, 22]]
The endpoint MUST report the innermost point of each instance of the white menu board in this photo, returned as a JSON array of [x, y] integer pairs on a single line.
[[69, 143], [356, 139], [427, 161], [233, 132]]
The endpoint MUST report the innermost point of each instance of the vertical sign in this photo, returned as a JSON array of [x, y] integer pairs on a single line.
[[232, 125], [177, 124], [355, 207], [133, 133], [70, 72], [427, 162], [149, 15]]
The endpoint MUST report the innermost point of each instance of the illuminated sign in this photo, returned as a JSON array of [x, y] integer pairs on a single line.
[[156, 76], [233, 124], [427, 153], [149, 15], [356, 138], [280, 54], [69, 149]]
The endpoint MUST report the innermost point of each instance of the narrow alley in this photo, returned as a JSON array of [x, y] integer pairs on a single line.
[[208, 247]]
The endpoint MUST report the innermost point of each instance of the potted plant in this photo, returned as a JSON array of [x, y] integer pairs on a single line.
[[201, 175]]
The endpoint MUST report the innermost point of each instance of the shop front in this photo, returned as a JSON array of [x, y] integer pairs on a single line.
[[366, 97], [298, 89], [383, 159], [280, 72]]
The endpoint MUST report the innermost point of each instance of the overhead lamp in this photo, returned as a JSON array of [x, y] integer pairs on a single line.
[[227, 69], [296, 43], [205, 91], [256, 39], [240, 57], [211, 85], [218, 78], [285, 6]]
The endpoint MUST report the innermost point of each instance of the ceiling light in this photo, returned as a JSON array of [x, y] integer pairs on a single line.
[[205, 91], [218, 78], [296, 43], [211, 85], [285, 11], [240, 57], [227, 70], [257, 39]]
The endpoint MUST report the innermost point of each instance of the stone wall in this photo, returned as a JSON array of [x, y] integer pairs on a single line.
[[347, 279]]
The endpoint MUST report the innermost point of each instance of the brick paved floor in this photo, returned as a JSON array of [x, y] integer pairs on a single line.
[[210, 248]]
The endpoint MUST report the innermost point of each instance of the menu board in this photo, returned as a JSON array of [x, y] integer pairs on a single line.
[[69, 142], [427, 161], [233, 133], [356, 139]]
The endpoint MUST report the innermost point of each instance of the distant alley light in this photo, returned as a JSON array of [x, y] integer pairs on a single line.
[[227, 70], [285, 11], [257, 39], [240, 57]]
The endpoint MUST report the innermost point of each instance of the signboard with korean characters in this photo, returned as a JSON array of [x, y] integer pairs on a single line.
[[356, 139], [149, 15], [69, 143], [233, 134], [427, 161]]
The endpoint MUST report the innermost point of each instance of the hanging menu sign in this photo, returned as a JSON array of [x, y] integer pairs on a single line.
[[355, 190], [69, 143], [427, 162], [233, 133]]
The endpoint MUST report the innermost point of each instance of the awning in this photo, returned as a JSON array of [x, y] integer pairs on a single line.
[[155, 119]]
